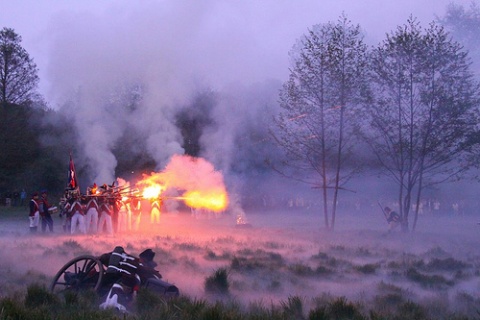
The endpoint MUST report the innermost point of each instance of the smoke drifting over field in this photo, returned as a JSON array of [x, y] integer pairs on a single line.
[[97, 59], [284, 254]]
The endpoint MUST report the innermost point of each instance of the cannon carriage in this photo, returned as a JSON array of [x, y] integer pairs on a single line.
[[87, 272]]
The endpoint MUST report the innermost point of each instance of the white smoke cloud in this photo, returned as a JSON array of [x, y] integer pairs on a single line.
[[173, 48]]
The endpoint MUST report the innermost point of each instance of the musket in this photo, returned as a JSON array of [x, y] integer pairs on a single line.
[[384, 213]]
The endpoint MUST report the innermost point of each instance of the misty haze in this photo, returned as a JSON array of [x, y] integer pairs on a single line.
[[322, 154]]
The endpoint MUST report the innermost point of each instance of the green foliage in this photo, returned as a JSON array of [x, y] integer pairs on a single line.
[[340, 308], [11, 308], [301, 270], [259, 259], [293, 308], [38, 295], [390, 304], [335, 309], [18, 72], [218, 282], [320, 102], [411, 310], [428, 281], [425, 103], [368, 268], [448, 264]]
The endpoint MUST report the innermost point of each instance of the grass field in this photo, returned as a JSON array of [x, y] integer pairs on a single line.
[[283, 267]]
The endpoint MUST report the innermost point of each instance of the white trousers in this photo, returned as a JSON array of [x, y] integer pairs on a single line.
[[122, 220], [91, 220], [155, 215], [105, 219], [78, 219], [35, 219]]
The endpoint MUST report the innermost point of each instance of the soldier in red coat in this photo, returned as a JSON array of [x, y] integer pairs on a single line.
[[77, 214], [105, 217], [91, 217], [45, 213], [34, 215]]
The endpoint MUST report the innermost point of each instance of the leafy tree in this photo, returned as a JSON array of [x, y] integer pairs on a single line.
[[18, 72], [464, 25], [18, 143], [319, 102], [425, 110]]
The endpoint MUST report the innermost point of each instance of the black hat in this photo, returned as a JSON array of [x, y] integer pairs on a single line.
[[147, 255]]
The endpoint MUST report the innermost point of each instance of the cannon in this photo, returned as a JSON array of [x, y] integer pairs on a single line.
[[87, 272]]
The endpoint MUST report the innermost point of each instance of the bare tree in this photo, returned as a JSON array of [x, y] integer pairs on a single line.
[[425, 110], [318, 104], [18, 72]]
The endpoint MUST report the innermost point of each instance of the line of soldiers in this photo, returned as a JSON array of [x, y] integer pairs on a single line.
[[100, 211]]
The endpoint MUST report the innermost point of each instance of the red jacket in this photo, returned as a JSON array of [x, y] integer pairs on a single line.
[[76, 207], [105, 207], [92, 203]]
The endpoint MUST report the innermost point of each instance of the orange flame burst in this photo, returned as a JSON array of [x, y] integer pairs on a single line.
[[152, 192], [216, 200], [202, 186]]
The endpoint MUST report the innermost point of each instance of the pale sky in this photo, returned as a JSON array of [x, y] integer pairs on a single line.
[[208, 40]]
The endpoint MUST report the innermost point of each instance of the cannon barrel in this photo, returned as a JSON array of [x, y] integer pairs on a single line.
[[162, 287]]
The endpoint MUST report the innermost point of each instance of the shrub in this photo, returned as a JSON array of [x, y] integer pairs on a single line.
[[301, 270], [11, 308], [448, 264], [38, 295], [367, 268], [293, 308], [218, 282], [411, 310], [427, 281], [340, 308]]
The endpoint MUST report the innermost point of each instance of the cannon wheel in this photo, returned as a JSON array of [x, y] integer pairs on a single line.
[[81, 273]]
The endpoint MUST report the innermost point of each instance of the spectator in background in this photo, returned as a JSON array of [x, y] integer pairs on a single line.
[[45, 213]]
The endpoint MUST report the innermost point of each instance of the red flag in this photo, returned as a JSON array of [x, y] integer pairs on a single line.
[[72, 175]]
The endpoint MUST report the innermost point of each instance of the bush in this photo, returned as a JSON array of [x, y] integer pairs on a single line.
[[38, 295], [218, 282], [427, 281], [448, 264], [340, 308], [293, 308], [367, 268]]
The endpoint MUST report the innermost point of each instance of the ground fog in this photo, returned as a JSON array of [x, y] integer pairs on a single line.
[[282, 253]]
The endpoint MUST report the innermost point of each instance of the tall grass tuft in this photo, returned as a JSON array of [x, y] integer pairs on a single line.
[[340, 308], [293, 308], [411, 310], [218, 282], [428, 281], [38, 295]]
